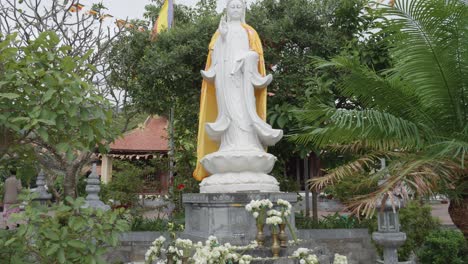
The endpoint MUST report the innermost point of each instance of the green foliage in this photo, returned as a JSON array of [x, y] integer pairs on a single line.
[[127, 182], [333, 221], [413, 114], [64, 233], [350, 187], [444, 247], [157, 224], [44, 95], [417, 222]]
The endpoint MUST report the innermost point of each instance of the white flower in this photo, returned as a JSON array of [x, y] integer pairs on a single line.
[[302, 261], [340, 259], [273, 212], [274, 220], [248, 208], [255, 214], [312, 259]]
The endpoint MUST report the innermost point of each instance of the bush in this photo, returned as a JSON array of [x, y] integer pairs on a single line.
[[140, 223], [444, 247], [64, 233], [125, 185], [332, 221], [417, 222]]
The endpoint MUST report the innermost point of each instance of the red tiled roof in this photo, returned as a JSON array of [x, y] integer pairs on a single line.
[[151, 137]]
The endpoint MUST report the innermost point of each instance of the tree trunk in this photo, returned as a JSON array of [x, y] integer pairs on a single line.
[[458, 211], [69, 182]]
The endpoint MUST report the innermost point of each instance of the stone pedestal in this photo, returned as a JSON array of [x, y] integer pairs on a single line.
[[223, 215], [390, 242]]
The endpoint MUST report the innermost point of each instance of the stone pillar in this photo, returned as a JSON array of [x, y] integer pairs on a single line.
[[106, 169], [390, 243], [92, 188], [42, 196]]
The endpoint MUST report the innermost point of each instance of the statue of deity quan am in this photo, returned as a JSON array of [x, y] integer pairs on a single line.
[[233, 134]]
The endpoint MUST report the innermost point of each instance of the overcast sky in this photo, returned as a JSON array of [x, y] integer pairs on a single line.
[[123, 9]]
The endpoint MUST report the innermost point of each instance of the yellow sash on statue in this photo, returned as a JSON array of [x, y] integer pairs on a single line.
[[209, 107]]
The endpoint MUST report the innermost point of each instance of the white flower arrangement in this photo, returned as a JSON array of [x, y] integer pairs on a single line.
[[212, 252], [340, 259], [285, 211], [274, 221], [305, 257], [258, 209], [156, 249], [185, 245], [245, 259]]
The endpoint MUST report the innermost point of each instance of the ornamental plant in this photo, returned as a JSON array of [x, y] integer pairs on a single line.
[[156, 250], [274, 219], [71, 235], [340, 259], [305, 256], [258, 209], [285, 209]]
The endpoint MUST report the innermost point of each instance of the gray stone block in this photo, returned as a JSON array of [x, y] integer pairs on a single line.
[[224, 215]]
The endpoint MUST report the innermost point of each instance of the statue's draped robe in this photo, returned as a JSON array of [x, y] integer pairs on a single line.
[[218, 120]]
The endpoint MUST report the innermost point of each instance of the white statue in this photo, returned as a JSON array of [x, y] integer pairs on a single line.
[[236, 69]]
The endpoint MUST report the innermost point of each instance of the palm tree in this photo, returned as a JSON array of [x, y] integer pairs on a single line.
[[414, 114]]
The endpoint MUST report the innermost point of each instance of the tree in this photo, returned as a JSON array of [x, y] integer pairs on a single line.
[[46, 102], [85, 32], [414, 114]]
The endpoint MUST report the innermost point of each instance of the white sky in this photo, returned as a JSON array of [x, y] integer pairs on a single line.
[[131, 9]]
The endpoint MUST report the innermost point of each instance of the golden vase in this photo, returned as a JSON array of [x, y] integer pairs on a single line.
[[283, 237], [260, 237], [275, 247], [170, 259]]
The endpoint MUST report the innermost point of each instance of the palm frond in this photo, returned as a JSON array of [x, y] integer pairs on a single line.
[[423, 54], [420, 176], [348, 126], [373, 90]]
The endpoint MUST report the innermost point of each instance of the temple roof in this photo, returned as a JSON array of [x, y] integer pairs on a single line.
[[149, 137]]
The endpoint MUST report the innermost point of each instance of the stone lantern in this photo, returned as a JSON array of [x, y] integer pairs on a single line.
[[93, 188], [389, 235], [42, 196]]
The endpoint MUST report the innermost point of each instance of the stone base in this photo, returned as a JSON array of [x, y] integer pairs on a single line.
[[223, 215], [234, 182]]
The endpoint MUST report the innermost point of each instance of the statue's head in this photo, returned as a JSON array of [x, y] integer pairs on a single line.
[[235, 10]]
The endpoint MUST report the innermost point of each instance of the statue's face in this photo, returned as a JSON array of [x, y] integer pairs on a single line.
[[235, 9]]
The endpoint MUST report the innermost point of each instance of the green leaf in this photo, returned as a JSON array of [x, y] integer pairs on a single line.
[[9, 241], [9, 95], [61, 255], [48, 95], [52, 249], [77, 244], [43, 134], [51, 235]]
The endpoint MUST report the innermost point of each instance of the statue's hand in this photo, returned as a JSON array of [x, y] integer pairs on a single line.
[[223, 28]]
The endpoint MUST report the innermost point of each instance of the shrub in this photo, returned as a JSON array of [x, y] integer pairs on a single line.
[[332, 221], [125, 185], [64, 233], [444, 247], [417, 222]]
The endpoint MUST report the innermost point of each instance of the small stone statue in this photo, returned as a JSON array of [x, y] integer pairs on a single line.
[[233, 133], [10, 199], [92, 188]]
